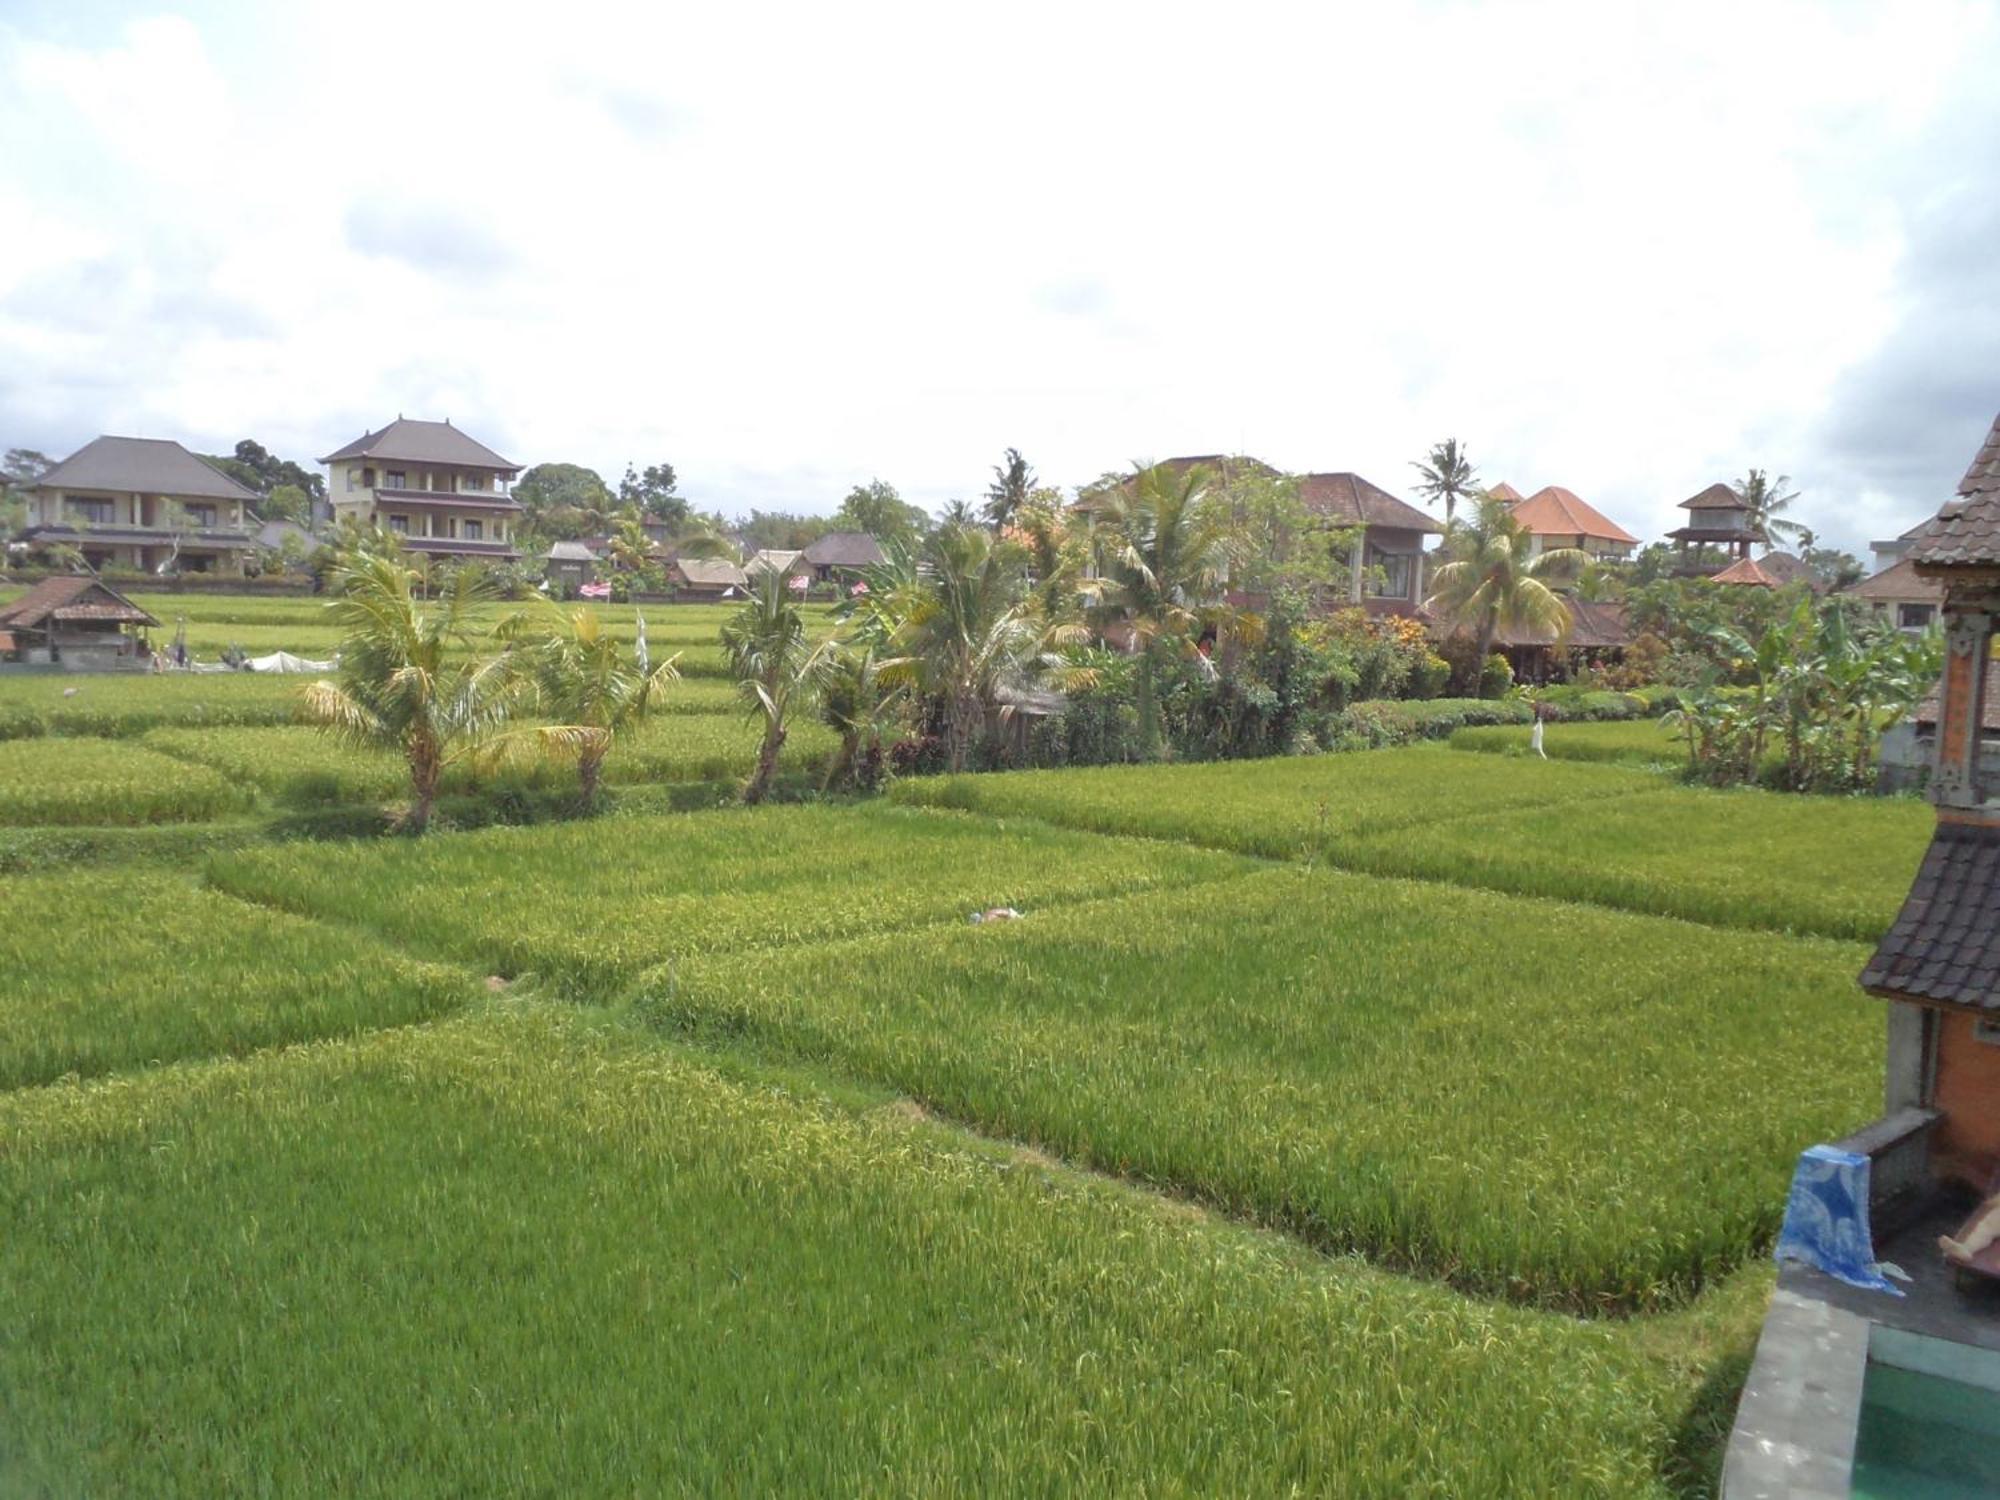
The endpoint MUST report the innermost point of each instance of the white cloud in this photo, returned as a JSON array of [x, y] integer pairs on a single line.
[[1615, 246]]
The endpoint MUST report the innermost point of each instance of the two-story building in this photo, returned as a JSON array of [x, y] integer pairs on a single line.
[[146, 505], [443, 492], [1386, 571], [1557, 518]]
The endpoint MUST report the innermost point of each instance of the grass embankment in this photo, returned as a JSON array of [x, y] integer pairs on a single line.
[[512, 1254], [1570, 1107], [1281, 808], [122, 968], [68, 782], [1637, 742], [587, 906]]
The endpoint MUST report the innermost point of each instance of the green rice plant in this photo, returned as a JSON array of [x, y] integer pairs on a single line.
[[710, 746], [586, 906], [1590, 1110], [294, 766], [1836, 866], [510, 1255], [1283, 807], [122, 705], [103, 969], [96, 781], [1635, 742]]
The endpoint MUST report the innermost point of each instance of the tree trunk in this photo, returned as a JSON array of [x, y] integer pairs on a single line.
[[1149, 708], [589, 767], [961, 714], [1483, 647], [767, 762], [424, 770]]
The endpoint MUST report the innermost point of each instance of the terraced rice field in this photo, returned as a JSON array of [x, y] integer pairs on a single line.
[[1634, 742], [96, 781]]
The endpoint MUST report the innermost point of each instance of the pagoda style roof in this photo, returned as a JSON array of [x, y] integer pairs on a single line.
[[1351, 499], [1747, 571], [1966, 533], [146, 466], [1944, 948], [77, 597], [1555, 511], [1505, 491], [1715, 497], [409, 441]]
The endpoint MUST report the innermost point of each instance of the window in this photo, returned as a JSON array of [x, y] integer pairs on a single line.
[[92, 512], [473, 482], [368, 479], [1389, 575], [1915, 616], [400, 525], [200, 515], [470, 530], [394, 480], [353, 477]]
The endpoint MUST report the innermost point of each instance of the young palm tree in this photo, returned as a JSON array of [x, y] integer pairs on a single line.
[[1013, 482], [407, 680], [1161, 575], [775, 666], [1768, 500], [583, 678], [1490, 580], [957, 628], [1446, 474], [856, 704]]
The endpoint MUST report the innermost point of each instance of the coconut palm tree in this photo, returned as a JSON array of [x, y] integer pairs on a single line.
[[777, 669], [1768, 500], [1446, 474], [1161, 574], [1492, 578], [407, 680], [1013, 482], [858, 705], [584, 679], [956, 627]]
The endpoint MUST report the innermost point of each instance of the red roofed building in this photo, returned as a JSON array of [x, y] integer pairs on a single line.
[[1557, 518]]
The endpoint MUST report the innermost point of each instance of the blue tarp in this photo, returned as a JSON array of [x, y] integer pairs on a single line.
[[1826, 1219]]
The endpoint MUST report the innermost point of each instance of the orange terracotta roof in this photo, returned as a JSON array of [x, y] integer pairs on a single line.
[[1746, 571], [1505, 491], [1555, 511]]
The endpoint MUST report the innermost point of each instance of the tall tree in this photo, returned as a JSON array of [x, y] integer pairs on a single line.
[[1446, 474], [877, 509], [1768, 500], [957, 513], [652, 492], [1490, 578], [1160, 573], [19, 469], [776, 668], [409, 680], [780, 530], [1013, 482], [255, 467], [566, 496]]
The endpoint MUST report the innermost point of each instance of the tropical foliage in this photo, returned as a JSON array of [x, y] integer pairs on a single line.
[[776, 666], [1493, 578]]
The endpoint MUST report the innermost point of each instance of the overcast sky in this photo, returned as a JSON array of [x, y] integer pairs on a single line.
[[1631, 249]]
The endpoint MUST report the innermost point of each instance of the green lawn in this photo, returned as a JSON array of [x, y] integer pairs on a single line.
[[108, 969], [1582, 1108], [1281, 808], [1838, 866], [586, 906], [101, 781], [511, 1256]]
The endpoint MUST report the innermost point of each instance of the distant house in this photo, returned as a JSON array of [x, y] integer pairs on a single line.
[[1387, 569], [841, 554], [1888, 553], [1747, 572], [1717, 517], [1557, 518], [569, 566], [443, 492], [1898, 592], [143, 504], [707, 577], [78, 622], [775, 560], [1598, 632]]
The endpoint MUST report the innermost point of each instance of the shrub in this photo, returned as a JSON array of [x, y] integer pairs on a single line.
[[1496, 675]]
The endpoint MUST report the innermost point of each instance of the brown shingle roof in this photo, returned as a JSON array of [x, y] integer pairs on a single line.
[[1966, 533], [147, 466], [406, 440], [845, 549], [1898, 583], [710, 572], [1593, 624], [77, 597], [1351, 499], [1944, 947], [1715, 497], [1555, 511]]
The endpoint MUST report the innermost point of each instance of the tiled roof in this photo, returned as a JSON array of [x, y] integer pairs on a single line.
[[1504, 491], [1747, 571], [773, 558], [1555, 511], [1945, 945], [845, 549], [1788, 568], [1897, 584], [1593, 624], [145, 466], [1715, 497], [1966, 533], [570, 552], [408, 441], [710, 572], [77, 597], [1989, 718], [1352, 499]]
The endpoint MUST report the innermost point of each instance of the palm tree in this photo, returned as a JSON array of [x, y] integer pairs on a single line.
[[1492, 578], [583, 678], [856, 704], [957, 513], [1161, 574], [1013, 482], [406, 680], [775, 666], [1768, 500], [957, 625], [1447, 475]]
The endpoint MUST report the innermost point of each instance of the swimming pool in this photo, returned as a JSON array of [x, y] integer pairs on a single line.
[[1930, 1420]]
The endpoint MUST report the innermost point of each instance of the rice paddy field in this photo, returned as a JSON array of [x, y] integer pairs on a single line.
[[1632, 742], [1408, 1122]]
